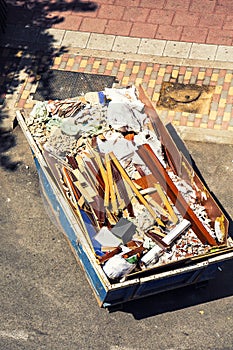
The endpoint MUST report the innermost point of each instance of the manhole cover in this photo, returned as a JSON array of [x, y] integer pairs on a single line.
[[185, 97], [57, 84]]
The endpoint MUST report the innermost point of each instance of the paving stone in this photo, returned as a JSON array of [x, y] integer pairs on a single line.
[[220, 80], [107, 11], [69, 22], [161, 16], [202, 51], [117, 27], [185, 19], [178, 5], [147, 30], [167, 77], [224, 53], [136, 14], [228, 108], [152, 47], [193, 80], [219, 37], [168, 32], [209, 20], [224, 94], [56, 36], [93, 25], [75, 39], [124, 44], [214, 106], [101, 42], [177, 49]]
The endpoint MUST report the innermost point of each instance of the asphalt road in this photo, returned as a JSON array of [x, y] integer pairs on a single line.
[[46, 301]]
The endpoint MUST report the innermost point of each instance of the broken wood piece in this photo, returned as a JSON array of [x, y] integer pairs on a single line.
[[72, 161], [120, 200], [123, 191], [81, 201], [157, 207], [111, 184], [88, 177], [158, 231], [153, 163], [68, 181], [173, 154], [133, 244], [148, 190], [83, 186], [98, 206], [112, 219], [109, 255], [158, 240], [165, 200], [107, 249], [92, 198], [95, 173], [134, 188], [136, 251], [146, 181], [103, 173]]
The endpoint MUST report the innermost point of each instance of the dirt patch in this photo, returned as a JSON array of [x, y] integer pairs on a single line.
[[185, 97]]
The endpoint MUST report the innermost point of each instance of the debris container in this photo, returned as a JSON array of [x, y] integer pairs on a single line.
[[137, 216]]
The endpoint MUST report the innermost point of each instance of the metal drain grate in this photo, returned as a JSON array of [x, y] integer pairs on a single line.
[[57, 84]]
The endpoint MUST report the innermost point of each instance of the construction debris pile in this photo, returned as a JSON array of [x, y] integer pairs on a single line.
[[109, 162]]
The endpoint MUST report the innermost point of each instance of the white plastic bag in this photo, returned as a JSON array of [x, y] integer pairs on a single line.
[[117, 267]]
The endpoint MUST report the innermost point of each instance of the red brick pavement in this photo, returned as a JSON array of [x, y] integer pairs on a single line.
[[151, 76], [199, 21]]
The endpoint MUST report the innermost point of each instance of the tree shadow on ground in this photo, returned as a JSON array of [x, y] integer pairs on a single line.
[[27, 50]]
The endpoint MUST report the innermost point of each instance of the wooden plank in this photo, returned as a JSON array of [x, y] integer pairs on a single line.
[[173, 154], [135, 190], [165, 200], [103, 173], [111, 184], [150, 159]]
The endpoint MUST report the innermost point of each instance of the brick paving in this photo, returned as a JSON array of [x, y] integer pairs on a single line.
[[196, 21], [186, 28], [151, 76]]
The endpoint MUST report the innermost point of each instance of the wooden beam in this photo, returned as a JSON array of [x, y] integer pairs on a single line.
[[153, 163]]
